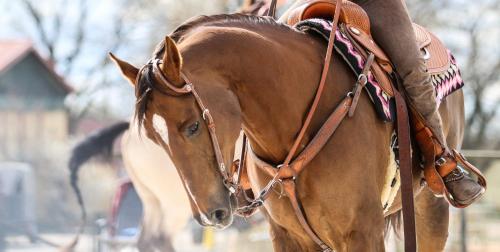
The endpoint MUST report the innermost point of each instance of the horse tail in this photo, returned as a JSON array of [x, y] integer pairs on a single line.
[[99, 143], [394, 222]]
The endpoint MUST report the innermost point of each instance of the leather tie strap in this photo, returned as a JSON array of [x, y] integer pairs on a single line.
[[360, 84], [405, 164]]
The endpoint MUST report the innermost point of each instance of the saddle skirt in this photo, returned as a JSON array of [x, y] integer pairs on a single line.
[[353, 42]]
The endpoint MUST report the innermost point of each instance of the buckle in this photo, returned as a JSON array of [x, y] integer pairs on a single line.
[[427, 54], [441, 161], [205, 114], [362, 79]]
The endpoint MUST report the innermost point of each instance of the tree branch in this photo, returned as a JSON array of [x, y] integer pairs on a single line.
[[42, 33], [79, 37]]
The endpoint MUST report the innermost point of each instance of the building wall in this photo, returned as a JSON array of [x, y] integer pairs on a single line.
[[28, 135], [32, 114]]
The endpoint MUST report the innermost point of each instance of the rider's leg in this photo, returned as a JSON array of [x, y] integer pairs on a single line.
[[392, 29]]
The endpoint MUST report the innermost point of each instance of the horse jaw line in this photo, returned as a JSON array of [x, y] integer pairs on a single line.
[[203, 217], [160, 127]]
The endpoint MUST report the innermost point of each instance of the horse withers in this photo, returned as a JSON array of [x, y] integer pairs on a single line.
[[259, 75]]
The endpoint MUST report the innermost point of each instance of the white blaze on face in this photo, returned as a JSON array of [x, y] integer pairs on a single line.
[[160, 127]]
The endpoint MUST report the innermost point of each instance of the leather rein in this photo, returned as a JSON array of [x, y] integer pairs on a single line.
[[286, 173]]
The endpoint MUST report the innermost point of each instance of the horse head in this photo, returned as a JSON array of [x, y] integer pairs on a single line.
[[173, 115]]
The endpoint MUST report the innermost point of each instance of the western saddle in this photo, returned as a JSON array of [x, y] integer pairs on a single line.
[[355, 22], [357, 25]]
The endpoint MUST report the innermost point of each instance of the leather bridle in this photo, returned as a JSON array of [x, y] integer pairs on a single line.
[[286, 173], [188, 88]]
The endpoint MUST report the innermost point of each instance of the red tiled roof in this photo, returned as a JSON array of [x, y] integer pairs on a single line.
[[13, 51]]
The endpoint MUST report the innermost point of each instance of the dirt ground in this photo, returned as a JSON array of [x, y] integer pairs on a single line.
[[483, 236]]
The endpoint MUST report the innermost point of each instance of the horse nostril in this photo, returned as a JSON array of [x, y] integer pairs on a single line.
[[219, 215]]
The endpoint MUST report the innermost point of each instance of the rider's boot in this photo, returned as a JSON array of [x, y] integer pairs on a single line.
[[451, 167], [392, 28]]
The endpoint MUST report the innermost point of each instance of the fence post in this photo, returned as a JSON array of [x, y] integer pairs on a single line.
[[463, 230]]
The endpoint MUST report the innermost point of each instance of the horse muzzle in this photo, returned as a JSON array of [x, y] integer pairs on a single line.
[[219, 218]]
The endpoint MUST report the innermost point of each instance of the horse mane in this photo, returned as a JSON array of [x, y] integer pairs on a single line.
[[220, 19], [145, 83]]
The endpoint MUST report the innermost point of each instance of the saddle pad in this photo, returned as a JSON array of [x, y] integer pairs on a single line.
[[445, 82]]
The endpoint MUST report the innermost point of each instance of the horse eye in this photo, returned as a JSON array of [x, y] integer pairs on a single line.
[[193, 128]]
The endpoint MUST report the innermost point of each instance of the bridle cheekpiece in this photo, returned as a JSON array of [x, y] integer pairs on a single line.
[[188, 88]]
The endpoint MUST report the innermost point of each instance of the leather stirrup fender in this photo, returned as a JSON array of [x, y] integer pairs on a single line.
[[430, 149], [435, 171]]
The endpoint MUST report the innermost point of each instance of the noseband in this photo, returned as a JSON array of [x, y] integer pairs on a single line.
[[188, 88]]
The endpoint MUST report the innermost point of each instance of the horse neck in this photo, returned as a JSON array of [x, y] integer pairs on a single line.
[[275, 74]]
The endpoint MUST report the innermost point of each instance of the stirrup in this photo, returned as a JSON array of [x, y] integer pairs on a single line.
[[471, 169], [444, 165]]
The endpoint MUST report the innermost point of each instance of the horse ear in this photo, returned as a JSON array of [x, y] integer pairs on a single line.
[[129, 71], [172, 61]]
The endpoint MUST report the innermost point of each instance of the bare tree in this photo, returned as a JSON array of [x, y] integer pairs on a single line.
[[68, 33], [50, 40]]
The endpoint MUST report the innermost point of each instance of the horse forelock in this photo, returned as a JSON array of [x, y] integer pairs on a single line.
[[144, 87], [146, 80]]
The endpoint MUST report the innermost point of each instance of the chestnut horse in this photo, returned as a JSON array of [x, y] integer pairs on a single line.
[[151, 172], [260, 75]]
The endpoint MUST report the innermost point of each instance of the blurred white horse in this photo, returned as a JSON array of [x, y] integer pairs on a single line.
[[165, 204], [166, 209]]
